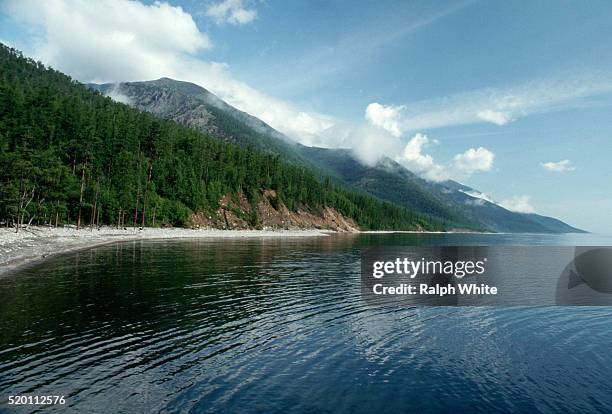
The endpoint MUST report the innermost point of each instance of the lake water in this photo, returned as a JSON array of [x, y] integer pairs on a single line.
[[279, 325]]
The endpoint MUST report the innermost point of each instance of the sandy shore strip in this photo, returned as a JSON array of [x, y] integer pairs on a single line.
[[36, 243]]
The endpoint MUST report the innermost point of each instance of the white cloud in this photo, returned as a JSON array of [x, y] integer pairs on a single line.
[[121, 40], [472, 160], [231, 11], [461, 166], [560, 166], [500, 106], [109, 39], [413, 158], [494, 117], [519, 204], [370, 144], [384, 116]]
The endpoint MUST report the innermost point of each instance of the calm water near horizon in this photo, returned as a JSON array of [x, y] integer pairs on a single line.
[[279, 325]]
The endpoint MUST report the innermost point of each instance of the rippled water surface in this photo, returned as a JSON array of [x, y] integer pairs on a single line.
[[278, 325]]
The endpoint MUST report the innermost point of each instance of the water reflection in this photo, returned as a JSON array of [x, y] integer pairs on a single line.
[[279, 324]]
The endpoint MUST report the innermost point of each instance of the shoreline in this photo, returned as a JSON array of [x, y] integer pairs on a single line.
[[38, 243], [35, 244]]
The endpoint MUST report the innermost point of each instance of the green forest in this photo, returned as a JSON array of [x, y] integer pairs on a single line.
[[69, 155]]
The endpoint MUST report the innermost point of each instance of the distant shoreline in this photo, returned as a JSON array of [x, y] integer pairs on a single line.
[[427, 232], [35, 244]]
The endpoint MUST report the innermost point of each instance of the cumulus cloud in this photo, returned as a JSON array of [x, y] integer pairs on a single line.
[[560, 166], [519, 204], [461, 166], [232, 12], [109, 39], [385, 116], [370, 144], [121, 40], [472, 160], [413, 158]]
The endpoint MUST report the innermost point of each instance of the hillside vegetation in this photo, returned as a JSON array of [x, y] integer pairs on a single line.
[[448, 202], [70, 155]]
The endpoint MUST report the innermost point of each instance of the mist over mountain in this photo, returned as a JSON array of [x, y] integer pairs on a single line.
[[196, 107]]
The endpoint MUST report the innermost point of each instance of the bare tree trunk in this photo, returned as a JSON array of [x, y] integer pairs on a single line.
[[227, 225], [136, 211], [81, 198], [122, 218], [138, 189], [19, 207], [119, 218], [98, 219], [95, 205], [23, 206], [40, 203], [57, 214], [144, 202], [136, 208], [154, 211]]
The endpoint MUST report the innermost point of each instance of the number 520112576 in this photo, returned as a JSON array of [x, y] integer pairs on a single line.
[[36, 400]]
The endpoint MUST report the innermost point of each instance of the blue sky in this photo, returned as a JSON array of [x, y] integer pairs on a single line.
[[512, 98]]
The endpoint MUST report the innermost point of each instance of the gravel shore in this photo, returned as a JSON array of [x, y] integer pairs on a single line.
[[36, 243]]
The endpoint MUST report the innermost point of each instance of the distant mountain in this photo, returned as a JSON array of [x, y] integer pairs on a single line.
[[499, 219], [456, 205]]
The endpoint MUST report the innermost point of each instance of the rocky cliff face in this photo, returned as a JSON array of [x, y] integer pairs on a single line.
[[237, 213]]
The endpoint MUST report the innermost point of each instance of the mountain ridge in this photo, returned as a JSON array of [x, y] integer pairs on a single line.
[[195, 106], [201, 109]]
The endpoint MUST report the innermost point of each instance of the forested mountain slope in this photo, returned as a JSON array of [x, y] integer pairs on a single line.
[[70, 155], [194, 106]]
